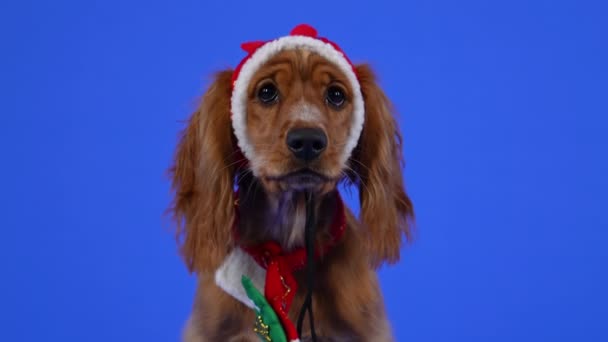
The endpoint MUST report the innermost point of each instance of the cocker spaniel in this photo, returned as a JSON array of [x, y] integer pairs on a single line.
[[257, 169]]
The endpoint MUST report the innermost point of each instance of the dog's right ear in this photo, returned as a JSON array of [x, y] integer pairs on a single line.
[[202, 180]]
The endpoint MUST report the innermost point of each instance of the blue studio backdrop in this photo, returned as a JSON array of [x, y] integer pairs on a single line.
[[503, 109]]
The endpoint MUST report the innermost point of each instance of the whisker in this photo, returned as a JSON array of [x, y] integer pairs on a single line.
[[248, 192], [233, 163], [359, 178], [360, 163], [242, 175]]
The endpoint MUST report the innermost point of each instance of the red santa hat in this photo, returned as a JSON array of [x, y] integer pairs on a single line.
[[259, 52]]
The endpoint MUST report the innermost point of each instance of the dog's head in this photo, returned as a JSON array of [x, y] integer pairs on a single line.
[[299, 117], [299, 120]]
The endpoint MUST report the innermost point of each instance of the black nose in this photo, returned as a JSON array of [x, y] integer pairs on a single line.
[[306, 143]]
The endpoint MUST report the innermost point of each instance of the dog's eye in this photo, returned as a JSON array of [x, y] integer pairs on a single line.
[[335, 96], [268, 93]]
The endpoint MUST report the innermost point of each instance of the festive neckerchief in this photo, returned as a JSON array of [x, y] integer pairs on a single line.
[[280, 285], [267, 324]]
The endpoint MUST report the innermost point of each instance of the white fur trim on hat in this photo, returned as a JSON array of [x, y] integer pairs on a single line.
[[263, 55]]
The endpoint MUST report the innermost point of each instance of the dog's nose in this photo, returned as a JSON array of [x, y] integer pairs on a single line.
[[306, 143]]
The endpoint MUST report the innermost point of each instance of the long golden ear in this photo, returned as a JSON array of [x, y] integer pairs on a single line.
[[386, 209], [202, 179]]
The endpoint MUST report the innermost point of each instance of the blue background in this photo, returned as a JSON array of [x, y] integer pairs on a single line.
[[503, 108]]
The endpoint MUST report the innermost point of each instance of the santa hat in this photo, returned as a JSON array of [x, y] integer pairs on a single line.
[[259, 52]]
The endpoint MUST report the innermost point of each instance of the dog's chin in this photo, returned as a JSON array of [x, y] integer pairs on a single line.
[[304, 180]]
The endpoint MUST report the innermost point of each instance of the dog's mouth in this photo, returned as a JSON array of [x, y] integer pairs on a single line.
[[301, 180]]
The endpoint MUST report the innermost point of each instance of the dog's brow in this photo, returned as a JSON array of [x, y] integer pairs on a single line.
[[326, 68], [275, 66], [280, 60], [315, 64]]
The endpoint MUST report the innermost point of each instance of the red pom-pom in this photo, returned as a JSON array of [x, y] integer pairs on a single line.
[[250, 47], [304, 30]]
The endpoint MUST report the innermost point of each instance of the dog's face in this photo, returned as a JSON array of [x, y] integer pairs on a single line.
[[299, 111], [299, 117]]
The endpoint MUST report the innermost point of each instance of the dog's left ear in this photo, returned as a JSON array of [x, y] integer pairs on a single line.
[[386, 209]]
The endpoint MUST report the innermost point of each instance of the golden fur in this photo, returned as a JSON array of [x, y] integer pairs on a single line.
[[348, 305]]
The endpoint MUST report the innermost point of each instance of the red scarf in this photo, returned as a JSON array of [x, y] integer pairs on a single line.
[[281, 286]]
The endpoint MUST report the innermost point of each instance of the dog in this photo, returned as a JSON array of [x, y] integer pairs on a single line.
[[291, 122]]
